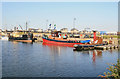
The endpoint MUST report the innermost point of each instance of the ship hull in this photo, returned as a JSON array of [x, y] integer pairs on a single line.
[[27, 41], [60, 42], [19, 39]]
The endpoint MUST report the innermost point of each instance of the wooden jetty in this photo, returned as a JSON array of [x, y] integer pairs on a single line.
[[92, 47], [100, 47], [106, 47], [83, 47]]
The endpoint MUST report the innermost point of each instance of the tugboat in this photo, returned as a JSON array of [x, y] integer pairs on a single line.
[[23, 36], [97, 41], [56, 39]]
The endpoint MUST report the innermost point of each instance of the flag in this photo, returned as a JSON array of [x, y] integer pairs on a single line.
[[54, 26], [50, 26]]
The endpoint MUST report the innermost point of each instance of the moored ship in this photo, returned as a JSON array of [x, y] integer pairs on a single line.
[[56, 39], [22, 38]]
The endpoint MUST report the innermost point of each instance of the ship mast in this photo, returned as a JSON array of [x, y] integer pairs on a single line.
[[26, 26]]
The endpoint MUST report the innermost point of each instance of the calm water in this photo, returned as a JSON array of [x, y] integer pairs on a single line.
[[37, 60]]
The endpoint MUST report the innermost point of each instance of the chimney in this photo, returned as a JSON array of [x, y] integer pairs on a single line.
[[94, 38]]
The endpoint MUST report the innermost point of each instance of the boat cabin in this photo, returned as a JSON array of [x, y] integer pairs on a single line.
[[55, 33]]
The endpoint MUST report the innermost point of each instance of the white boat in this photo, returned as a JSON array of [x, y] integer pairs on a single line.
[[4, 38]]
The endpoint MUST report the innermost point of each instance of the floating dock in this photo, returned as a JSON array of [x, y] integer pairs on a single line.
[[92, 47], [106, 47]]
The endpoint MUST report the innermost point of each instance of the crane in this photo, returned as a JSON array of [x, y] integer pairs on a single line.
[[21, 27]]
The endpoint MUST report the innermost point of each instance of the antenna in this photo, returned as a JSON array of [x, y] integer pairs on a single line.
[[46, 23], [26, 26], [74, 22]]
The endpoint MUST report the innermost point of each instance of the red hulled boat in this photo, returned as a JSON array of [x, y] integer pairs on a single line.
[[56, 39]]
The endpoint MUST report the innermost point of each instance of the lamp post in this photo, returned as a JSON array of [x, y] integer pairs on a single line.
[[74, 22], [47, 23]]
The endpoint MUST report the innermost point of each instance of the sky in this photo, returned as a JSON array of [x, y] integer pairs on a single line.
[[101, 16]]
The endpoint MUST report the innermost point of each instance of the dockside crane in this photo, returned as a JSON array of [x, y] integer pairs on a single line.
[[21, 27]]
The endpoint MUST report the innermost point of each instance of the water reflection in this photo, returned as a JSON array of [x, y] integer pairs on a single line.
[[96, 53], [48, 44], [40, 60], [55, 51], [93, 54]]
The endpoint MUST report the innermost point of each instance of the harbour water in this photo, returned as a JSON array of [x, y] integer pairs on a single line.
[[37, 60]]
